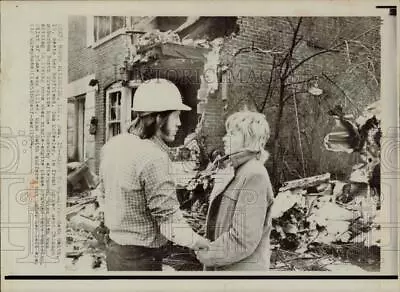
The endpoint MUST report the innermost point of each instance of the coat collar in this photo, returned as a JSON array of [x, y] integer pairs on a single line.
[[226, 175], [239, 158]]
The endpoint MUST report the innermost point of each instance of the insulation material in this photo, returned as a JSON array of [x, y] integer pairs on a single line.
[[202, 93], [332, 211], [284, 202], [337, 227], [209, 79]]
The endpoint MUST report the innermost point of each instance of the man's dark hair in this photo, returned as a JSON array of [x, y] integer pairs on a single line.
[[146, 125]]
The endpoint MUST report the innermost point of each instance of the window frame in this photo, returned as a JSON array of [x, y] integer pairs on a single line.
[[125, 108], [91, 23]]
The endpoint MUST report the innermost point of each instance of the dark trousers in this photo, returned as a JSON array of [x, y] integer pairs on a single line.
[[132, 258]]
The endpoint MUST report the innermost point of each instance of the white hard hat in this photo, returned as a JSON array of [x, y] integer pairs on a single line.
[[157, 95]]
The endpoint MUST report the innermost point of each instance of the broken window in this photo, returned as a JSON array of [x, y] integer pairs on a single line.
[[119, 109], [114, 119]]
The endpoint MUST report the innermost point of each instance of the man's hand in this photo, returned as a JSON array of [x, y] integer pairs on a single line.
[[201, 243], [204, 257]]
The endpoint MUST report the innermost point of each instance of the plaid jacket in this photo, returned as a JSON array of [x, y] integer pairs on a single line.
[[139, 192]]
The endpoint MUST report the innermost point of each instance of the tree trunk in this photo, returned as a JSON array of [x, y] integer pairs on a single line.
[[276, 165]]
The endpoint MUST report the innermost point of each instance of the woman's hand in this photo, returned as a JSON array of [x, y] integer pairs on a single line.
[[201, 244], [204, 257]]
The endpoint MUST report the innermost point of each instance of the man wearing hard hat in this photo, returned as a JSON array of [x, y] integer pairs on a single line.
[[140, 207]]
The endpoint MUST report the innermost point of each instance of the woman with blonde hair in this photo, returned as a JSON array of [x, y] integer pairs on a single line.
[[238, 220]]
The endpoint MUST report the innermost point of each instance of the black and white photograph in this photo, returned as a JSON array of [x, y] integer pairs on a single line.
[[199, 145], [224, 143]]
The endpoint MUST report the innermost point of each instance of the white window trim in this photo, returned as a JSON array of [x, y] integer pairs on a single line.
[[109, 37], [114, 89], [126, 95]]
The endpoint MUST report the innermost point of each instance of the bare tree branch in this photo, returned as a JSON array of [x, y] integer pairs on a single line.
[[326, 51], [271, 77], [307, 59], [303, 81], [257, 50], [295, 42]]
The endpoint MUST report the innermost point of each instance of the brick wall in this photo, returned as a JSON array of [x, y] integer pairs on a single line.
[[103, 60], [249, 71], [246, 88], [80, 57], [108, 58]]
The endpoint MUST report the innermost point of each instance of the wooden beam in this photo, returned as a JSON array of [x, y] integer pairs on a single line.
[[305, 182]]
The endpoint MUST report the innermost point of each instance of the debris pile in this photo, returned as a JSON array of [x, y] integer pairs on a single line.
[[362, 136], [329, 221], [319, 211], [314, 222], [80, 178], [194, 192], [193, 196], [85, 233], [194, 202], [141, 49]]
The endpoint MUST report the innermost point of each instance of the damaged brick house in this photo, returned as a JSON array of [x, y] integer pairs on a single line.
[[103, 76], [214, 61]]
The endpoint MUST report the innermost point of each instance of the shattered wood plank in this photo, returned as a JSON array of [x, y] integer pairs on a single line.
[[80, 222], [305, 182], [73, 210]]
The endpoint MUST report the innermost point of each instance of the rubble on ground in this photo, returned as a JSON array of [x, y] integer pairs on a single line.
[[319, 224], [80, 178], [313, 212], [85, 233], [337, 220]]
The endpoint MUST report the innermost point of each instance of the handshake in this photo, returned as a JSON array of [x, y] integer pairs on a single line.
[[201, 248], [201, 243]]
